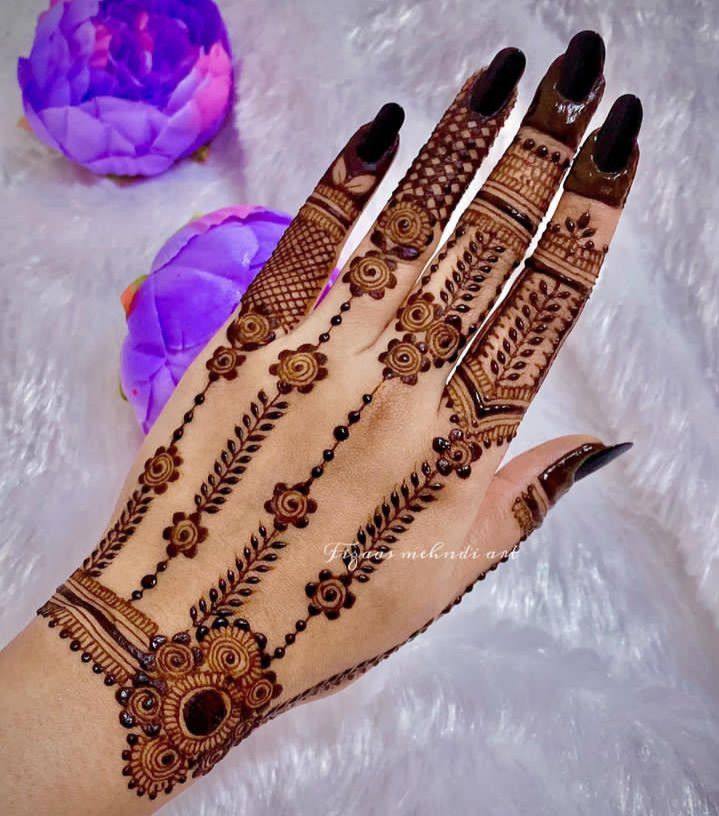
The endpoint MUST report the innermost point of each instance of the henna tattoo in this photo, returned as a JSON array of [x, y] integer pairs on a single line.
[[529, 509], [288, 506], [185, 703], [423, 202], [186, 532], [421, 205], [299, 369], [291, 281], [371, 274], [493, 388]]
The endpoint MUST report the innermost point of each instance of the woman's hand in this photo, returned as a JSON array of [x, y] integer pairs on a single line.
[[324, 482]]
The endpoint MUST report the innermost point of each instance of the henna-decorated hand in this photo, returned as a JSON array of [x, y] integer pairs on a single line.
[[275, 538]]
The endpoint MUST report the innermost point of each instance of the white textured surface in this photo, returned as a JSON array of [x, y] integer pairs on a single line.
[[582, 678]]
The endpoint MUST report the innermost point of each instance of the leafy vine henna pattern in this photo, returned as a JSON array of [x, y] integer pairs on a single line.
[[221, 664]]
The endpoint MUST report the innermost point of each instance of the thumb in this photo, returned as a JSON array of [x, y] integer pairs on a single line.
[[523, 491]]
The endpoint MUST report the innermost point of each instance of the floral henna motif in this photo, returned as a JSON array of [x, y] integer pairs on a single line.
[[224, 363], [184, 535], [456, 454], [329, 595], [161, 469], [290, 505], [253, 327], [299, 369], [405, 359], [372, 274], [190, 704], [184, 701]]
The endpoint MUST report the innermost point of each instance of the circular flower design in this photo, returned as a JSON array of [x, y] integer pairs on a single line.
[[185, 535], [201, 711], [329, 595], [299, 369], [291, 505], [456, 453], [161, 469], [371, 275], [127, 86], [252, 328], [155, 765], [405, 359], [174, 659], [233, 652], [418, 313], [224, 363], [407, 224], [443, 341], [144, 705]]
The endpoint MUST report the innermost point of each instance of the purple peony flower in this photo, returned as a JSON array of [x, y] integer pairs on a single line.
[[196, 282], [127, 87]]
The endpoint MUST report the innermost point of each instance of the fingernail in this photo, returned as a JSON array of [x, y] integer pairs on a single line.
[[601, 458], [617, 137], [575, 465], [582, 66], [495, 86], [381, 133]]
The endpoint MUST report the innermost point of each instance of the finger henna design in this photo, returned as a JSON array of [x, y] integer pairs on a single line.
[[492, 388], [421, 205], [496, 229]]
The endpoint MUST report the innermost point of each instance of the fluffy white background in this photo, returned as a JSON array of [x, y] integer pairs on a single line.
[[582, 678]]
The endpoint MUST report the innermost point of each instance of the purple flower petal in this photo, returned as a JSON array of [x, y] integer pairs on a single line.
[[168, 61], [196, 282]]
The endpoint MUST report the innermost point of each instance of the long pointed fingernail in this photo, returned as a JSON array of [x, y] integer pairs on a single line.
[[600, 459], [617, 137], [577, 464], [494, 88], [381, 133], [582, 66]]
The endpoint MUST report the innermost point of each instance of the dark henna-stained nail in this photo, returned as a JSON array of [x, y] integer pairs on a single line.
[[381, 133], [600, 459], [575, 465], [618, 135], [606, 164], [572, 88], [494, 88], [582, 66]]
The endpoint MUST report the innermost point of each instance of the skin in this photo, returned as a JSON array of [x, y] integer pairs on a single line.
[[245, 475]]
